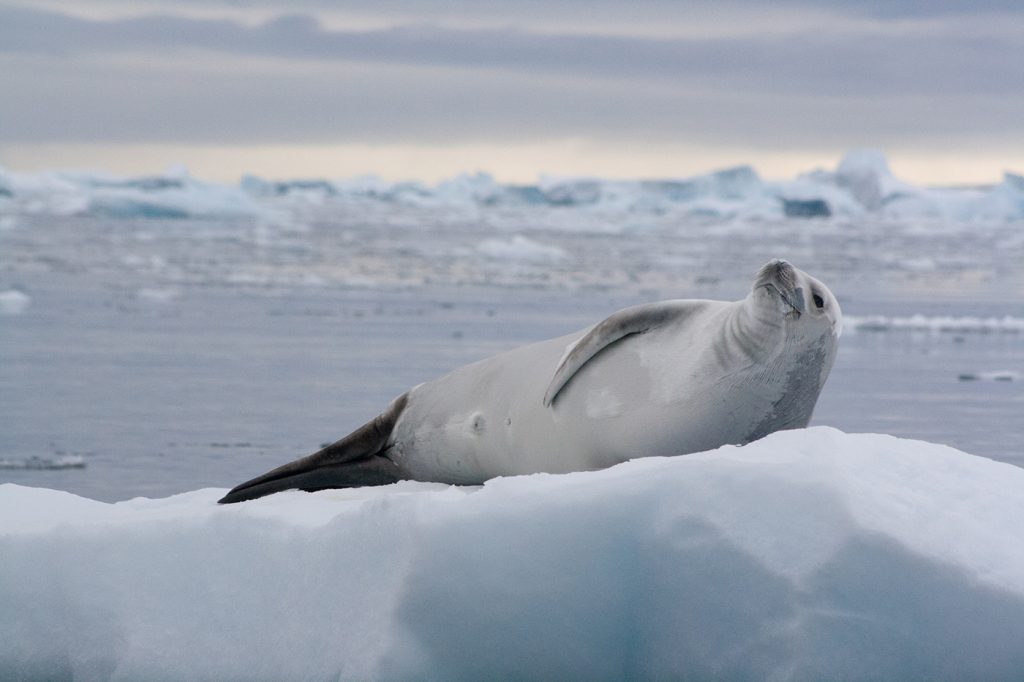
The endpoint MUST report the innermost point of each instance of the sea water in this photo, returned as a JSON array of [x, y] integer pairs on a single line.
[[173, 354]]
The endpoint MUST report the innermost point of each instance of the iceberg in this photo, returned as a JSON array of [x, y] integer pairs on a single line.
[[174, 194], [861, 186], [260, 187], [1005, 201], [5, 184], [811, 554], [865, 174], [864, 186], [806, 208], [717, 192]]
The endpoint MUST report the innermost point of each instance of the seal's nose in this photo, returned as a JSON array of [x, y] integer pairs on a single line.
[[778, 272], [782, 277], [797, 300]]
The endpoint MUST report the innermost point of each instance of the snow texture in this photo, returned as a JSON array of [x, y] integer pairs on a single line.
[[807, 555]]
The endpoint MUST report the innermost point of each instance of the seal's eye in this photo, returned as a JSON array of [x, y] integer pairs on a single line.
[[819, 301]]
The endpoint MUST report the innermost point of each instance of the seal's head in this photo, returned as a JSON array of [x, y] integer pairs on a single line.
[[801, 302], [791, 323]]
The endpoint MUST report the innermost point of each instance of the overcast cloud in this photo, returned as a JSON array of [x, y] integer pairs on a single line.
[[804, 76]]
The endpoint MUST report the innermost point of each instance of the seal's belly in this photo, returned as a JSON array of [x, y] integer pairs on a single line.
[[488, 419]]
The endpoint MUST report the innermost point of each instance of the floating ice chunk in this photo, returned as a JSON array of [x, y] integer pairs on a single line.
[[918, 264], [467, 188], [862, 183], [741, 182], [6, 183], [571, 191], [175, 196], [133, 207], [13, 302], [817, 190], [43, 463], [1005, 201], [176, 171], [520, 249], [172, 195], [266, 188], [935, 324], [48, 193], [865, 173], [998, 375], [155, 295]]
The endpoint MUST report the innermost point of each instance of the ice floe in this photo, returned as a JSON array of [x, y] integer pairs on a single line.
[[1006, 324], [807, 555], [520, 248]]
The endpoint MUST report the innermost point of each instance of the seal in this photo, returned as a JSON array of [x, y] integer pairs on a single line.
[[667, 378]]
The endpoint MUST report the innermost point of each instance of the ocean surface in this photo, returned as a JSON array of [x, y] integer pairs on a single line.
[[147, 354]]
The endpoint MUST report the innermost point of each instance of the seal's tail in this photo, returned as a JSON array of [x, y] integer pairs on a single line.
[[355, 460]]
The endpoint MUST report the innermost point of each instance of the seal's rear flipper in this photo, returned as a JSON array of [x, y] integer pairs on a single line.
[[355, 460], [374, 470]]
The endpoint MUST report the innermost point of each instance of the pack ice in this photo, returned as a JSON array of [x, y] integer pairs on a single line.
[[862, 185], [808, 555]]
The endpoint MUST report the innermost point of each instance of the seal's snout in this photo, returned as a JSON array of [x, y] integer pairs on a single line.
[[779, 271], [779, 276]]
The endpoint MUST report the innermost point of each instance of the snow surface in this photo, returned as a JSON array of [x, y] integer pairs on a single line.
[[810, 554], [861, 186]]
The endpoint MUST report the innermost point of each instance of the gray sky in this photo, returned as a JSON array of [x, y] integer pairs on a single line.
[[427, 88]]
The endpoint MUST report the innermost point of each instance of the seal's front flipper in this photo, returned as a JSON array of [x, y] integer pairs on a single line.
[[625, 323], [355, 460]]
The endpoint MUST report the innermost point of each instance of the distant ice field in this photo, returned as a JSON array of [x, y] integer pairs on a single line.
[[175, 350]]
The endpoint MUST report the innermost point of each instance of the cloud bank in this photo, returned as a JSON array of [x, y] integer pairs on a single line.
[[799, 77]]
